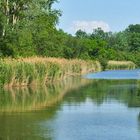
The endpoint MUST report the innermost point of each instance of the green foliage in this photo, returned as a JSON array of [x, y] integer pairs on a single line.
[[28, 28], [81, 34], [133, 28], [104, 63]]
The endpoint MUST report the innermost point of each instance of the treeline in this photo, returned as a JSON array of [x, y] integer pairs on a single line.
[[120, 46], [28, 28]]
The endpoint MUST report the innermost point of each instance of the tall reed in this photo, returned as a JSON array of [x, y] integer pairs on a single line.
[[113, 65], [29, 71]]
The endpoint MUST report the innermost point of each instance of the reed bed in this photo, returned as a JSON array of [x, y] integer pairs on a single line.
[[34, 71], [113, 65]]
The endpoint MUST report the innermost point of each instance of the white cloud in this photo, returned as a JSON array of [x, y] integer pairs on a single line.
[[88, 26]]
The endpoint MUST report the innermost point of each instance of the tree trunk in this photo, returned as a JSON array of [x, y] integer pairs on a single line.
[[6, 12]]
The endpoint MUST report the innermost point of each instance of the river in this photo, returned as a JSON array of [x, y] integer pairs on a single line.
[[99, 106]]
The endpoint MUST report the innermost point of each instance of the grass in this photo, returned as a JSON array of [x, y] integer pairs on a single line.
[[113, 65], [36, 70]]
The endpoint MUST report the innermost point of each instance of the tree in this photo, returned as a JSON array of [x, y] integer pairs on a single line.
[[133, 28], [133, 33], [134, 42], [81, 34], [23, 18], [99, 34]]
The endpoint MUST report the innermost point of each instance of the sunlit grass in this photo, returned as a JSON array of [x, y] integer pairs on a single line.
[[37, 70], [112, 65]]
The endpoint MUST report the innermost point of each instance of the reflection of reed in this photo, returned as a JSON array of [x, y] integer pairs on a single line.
[[34, 98]]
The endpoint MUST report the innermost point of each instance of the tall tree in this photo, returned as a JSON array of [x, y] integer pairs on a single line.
[[13, 11]]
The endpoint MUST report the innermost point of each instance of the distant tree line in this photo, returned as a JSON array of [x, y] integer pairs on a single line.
[[28, 28]]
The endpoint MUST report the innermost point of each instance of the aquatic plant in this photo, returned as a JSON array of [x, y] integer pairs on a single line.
[[36, 70], [113, 65]]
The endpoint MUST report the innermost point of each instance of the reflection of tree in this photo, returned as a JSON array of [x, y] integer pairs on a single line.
[[126, 91], [139, 121], [92, 91], [134, 98]]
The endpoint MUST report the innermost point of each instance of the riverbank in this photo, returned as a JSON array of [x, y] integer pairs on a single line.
[[39, 71]]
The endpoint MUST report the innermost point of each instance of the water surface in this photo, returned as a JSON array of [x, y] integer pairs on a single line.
[[78, 109], [115, 74]]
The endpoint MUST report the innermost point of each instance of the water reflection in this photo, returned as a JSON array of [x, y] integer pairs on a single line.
[[72, 109], [21, 126], [100, 91], [34, 98]]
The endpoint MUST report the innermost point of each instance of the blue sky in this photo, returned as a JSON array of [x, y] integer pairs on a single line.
[[110, 15]]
